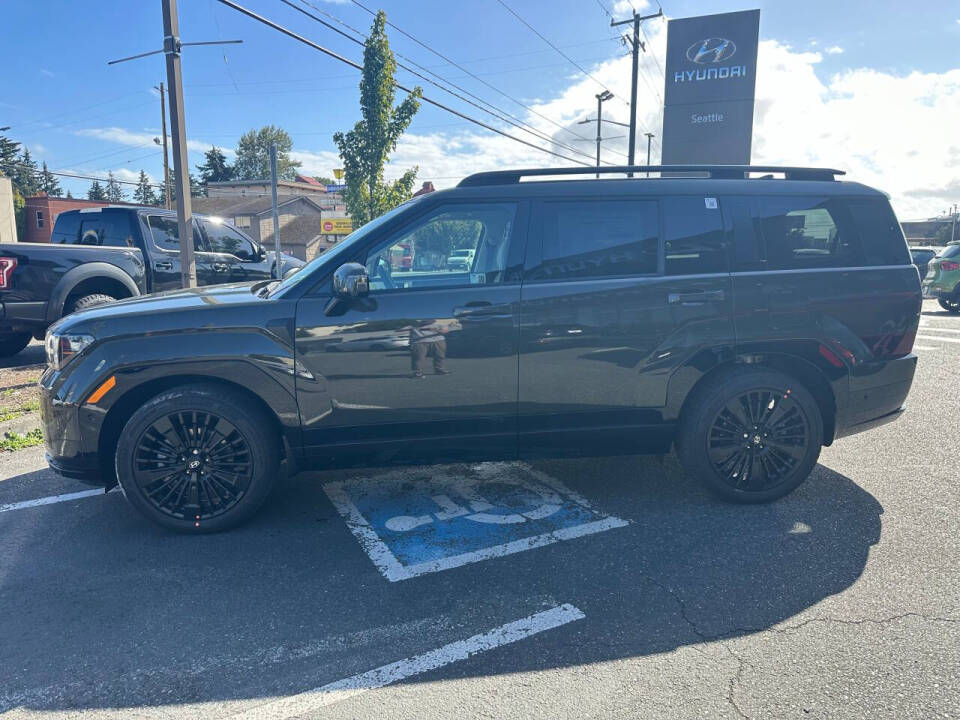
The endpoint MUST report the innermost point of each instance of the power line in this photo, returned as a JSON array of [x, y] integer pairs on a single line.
[[559, 51], [495, 112], [435, 103], [471, 74], [77, 176]]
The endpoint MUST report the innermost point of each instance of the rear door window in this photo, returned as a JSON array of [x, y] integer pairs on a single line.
[[693, 236], [807, 232], [166, 233], [105, 228], [597, 238]]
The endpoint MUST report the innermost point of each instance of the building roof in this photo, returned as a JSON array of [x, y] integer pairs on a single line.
[[233, 207], [303, 184], [309, 180]]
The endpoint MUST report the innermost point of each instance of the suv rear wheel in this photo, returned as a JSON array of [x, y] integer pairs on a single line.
[[198, 458], [752, 434]]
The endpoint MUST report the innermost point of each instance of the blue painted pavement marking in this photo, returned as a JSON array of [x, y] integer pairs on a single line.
[[412, 522]]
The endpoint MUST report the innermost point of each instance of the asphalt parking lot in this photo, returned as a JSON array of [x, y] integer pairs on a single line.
[[578, 588]]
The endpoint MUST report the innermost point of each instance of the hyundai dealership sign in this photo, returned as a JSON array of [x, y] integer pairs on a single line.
[[710, 81]]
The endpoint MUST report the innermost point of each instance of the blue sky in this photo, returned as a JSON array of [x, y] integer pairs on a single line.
[[870, 86]]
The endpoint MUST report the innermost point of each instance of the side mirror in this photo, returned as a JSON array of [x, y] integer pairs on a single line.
[[350, 280]]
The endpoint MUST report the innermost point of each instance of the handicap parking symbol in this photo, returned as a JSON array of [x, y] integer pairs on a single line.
[[412, 522]]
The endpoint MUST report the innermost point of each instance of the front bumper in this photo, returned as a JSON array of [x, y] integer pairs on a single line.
[[71, 447]]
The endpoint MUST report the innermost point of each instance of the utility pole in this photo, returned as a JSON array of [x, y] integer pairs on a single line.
[[637, 46], [277, 263], [166, 160], [953, 223], [649, 139], [181, 169]]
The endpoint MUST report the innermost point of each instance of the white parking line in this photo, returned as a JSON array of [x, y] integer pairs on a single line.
[[50, 500], [925, 347], [934, 328], [307, 702], [938, 339]]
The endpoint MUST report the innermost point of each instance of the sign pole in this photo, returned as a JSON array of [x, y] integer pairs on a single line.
[[278, 260]]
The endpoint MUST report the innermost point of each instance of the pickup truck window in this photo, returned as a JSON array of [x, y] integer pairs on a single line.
[[224, 239], [103, 228], [166, 234]]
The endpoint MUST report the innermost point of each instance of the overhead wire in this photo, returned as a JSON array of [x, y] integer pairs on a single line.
[[290, 33], [473, 75], [496, 112]]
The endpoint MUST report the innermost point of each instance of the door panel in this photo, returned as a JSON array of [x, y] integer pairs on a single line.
[[164, 254], [597, 354], [360, 386]]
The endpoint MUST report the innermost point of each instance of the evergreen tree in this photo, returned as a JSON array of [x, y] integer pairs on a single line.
[[49, 183], [9, 156], [69, 194], [96, 192], [143, 193], [253, 155], [215, 167], [24, 175], [113, 191], [366, 148]]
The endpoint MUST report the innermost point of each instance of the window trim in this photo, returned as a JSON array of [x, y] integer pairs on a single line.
[[39, 219]]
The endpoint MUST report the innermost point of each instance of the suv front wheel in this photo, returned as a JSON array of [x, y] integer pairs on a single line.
[[751, 434], [198, 458]]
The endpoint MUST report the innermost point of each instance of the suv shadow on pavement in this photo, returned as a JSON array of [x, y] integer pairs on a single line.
[[100, 610]]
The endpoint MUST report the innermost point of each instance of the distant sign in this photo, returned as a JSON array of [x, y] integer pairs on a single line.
[[336, 188], [336, 226], [710, 81]]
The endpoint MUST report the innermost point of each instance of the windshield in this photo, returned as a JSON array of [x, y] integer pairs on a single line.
[[341, 249]]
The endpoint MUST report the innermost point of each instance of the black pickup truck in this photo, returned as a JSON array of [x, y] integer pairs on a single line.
[[99, 255]]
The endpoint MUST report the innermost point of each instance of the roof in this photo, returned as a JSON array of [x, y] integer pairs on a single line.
[[309, 180], [233, 207], [284, 183]]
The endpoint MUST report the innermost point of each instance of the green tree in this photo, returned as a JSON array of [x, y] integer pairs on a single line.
[[143, 192], [113, 190], [49, 183], [24, 175], [9, 156], [69, 194], [215, 167], [253, 154], [366, 148], [96, 192]]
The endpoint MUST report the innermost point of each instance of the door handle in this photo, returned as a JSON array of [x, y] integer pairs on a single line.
[[696, 298], [221, 267], [163, 266]]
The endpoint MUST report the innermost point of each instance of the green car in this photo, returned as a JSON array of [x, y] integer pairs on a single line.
[[943, 278]]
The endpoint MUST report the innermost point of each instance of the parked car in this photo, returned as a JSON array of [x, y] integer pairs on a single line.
[[943, 278], [922, 256], [460, 260], [99, 255], [744, 322]]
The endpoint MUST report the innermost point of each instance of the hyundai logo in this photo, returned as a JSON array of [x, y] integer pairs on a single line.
[[711, 50]]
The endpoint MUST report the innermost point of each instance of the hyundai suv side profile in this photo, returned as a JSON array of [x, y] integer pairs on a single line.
[[745, 322]]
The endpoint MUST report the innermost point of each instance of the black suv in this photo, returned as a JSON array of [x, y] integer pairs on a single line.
[[745, 321]]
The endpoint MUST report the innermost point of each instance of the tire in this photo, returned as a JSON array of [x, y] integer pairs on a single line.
[[89, 301], [720, 415], [951, 304], [13, 342], [237, 459]]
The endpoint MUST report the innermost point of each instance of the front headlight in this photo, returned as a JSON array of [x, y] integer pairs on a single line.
[[60, 348]]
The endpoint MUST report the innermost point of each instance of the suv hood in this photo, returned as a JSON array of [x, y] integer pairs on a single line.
[[192, 308]]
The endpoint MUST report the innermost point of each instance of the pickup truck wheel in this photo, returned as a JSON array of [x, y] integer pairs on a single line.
[[13, 342], [751, 435], [950, 304], [198, 459], [89, 301]]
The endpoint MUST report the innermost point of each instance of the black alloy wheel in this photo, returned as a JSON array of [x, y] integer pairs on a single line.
[[199, 458], [192, 465], [750, 433], [950, 304], [758, 439]]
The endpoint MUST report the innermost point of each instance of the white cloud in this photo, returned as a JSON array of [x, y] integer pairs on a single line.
[[122, 136], [46, 73], [834, 50], [626, 7]]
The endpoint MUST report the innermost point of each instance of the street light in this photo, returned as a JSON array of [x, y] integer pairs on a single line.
[[601, 98], [649, 138]]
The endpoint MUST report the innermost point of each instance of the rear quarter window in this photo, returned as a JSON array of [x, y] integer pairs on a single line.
[[880, 234], [807, 232], [105, 228], [66, 229]]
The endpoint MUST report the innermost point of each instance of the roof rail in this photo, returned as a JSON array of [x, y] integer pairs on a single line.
[[509, 177]]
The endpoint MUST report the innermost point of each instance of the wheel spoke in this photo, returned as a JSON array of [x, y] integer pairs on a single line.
[[192, 464]]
